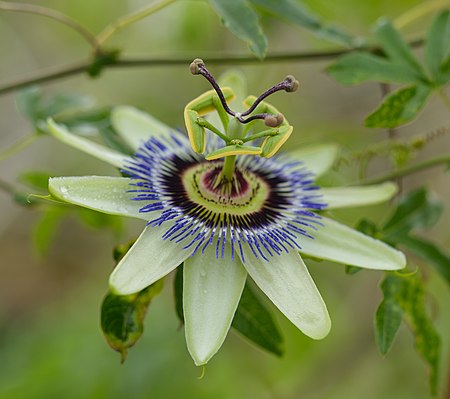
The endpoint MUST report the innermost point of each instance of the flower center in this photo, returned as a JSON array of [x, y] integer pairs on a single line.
[[245, 193]]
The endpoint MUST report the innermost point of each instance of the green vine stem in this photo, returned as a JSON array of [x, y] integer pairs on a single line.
[[231, 59], [420, 11], [127, 20], [442, 160], [53, 14]]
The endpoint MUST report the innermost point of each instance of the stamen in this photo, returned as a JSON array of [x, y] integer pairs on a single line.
[[198, 67], [289, 84]]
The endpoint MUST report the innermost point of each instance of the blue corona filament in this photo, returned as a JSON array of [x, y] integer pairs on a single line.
[[281, 222]]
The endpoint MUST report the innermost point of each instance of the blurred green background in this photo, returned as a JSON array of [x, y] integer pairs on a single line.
[[50, 341]]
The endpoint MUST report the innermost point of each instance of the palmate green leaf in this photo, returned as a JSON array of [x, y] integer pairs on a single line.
[[396, 48], [298, 14], [255, 322], [361, 67], [251, 319], [240, 18], [122, 317], [437, 48], [429, 252], [416, 210], [406, 294], [400, 107]]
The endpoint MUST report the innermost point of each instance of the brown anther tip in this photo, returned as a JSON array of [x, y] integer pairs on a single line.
[[292, 83], [273, 120], [194, 66]]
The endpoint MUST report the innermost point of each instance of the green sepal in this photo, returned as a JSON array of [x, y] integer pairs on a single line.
[[233, 150], [122, 317]]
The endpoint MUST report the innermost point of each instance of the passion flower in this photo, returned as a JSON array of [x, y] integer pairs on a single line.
[[226, 215]]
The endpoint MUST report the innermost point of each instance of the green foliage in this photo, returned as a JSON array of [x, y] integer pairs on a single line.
[[399, 107], [34, 106], [298, 14], [359, 67], [255, 322], [395, 48], [430, 253], [122, 317], [96, 121], [74, 111], [242, 20], [46, 228], [403, 296], [387, 318], [437, 49], [416, 210], [398, 64], [35, 179], [252, 319], [178, 292]]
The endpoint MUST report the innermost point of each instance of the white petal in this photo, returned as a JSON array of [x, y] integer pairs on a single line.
[[317, 158], [148, 260], [101, 193], [343, 197], [339, 243], [135, 126], [286, 281], [211, 292], [99, 151]]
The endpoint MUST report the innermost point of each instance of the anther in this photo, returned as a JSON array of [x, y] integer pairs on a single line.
[[194, 67], [197, 67], [274, 120], [292, 84]]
